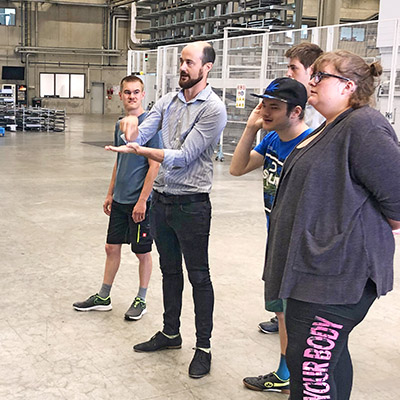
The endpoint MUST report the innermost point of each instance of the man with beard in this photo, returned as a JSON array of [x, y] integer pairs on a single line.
[[191, 121]]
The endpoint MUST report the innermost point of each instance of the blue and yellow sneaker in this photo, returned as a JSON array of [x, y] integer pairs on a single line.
[[268, 383], [94, 303]]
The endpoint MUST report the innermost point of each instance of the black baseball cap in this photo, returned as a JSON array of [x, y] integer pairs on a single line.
[[287, 90]]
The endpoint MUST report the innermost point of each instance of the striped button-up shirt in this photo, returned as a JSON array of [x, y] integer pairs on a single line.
[[190, 132]]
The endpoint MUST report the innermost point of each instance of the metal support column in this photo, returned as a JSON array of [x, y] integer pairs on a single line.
[[329, 12], [393, 72], [298, 14], [220, 153]]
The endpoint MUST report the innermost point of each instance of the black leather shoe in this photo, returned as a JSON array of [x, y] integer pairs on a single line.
[[159, 342], [200, 364]]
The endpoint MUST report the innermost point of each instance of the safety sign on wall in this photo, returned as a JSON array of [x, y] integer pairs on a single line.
[[240, 96]]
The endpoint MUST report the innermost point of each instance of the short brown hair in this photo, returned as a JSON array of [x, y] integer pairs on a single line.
[[131, 78], [306, 52], [355, 68], [291, 107]]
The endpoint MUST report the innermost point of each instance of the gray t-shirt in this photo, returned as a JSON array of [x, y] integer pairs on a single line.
[[131, 169]]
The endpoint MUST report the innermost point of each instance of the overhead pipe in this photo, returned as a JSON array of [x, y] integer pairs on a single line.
[[22, 39], [27, 31], [116, 29], [133, 37], [115, 18], [67, 51], [74, 64], [121, 3], [66, 3], [104, 29], [110, 29], [22, 23], [36, 24], [27, 78]]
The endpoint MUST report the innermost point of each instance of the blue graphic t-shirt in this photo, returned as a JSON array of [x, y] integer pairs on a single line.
[[275, 152]]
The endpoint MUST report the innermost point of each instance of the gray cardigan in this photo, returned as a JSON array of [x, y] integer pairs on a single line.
[[328, 228]]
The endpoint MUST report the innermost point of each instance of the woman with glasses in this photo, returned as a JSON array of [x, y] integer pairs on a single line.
[[330, 243]]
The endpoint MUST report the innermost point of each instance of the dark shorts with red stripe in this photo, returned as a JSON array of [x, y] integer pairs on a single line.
[[122, 229]]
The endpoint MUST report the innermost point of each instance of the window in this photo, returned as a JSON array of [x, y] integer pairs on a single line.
[[7, 16], [352, 34], [62, 85], [65, 86], [304, 32], [78, 85], [46, 85]]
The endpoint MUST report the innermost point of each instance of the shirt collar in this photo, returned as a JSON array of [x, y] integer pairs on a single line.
[[203, 95]]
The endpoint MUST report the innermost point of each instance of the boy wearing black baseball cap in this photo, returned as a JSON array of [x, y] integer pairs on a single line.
[[281, 115], [287, 90]]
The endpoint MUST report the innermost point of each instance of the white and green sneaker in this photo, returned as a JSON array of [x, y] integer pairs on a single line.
[[94, 303], [136, 310]]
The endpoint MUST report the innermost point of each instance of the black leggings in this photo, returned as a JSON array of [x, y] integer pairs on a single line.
[[317, 354]]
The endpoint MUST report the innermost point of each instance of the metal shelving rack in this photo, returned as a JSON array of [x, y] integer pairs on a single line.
[[174, 21], [6, 98], [8, 117], [57, 120], [32, 119]]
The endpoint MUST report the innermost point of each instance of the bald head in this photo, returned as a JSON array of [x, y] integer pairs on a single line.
[[207, 52]]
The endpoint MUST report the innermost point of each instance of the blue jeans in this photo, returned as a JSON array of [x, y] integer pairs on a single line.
[[180, 225], [317, 354]]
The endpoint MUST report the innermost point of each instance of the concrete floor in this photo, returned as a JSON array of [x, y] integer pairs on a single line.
[[52, 188]]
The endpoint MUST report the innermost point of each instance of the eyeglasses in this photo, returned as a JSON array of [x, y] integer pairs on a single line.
[[318, 76]]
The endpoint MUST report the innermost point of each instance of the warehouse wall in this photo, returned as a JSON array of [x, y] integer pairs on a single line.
[[361, 9], [61, 26], [9, 35], [350, 9]]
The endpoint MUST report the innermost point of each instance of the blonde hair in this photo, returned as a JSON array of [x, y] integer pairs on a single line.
[[355, 68]]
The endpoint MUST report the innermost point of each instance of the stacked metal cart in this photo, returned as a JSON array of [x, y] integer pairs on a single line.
[[32, 119]]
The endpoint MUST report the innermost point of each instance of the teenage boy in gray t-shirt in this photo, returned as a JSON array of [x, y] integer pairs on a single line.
[[127, 206]]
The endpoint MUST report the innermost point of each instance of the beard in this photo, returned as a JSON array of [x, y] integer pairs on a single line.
[[191, 81]]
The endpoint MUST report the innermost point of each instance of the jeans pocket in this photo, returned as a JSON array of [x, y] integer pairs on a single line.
[[195, 218], [196, 209]]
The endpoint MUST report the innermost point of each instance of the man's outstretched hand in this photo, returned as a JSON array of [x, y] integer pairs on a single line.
[[128, 148], [135, 148]]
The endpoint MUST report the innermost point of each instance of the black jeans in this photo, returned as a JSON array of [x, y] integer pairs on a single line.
[[180, 225], [317, 354]]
